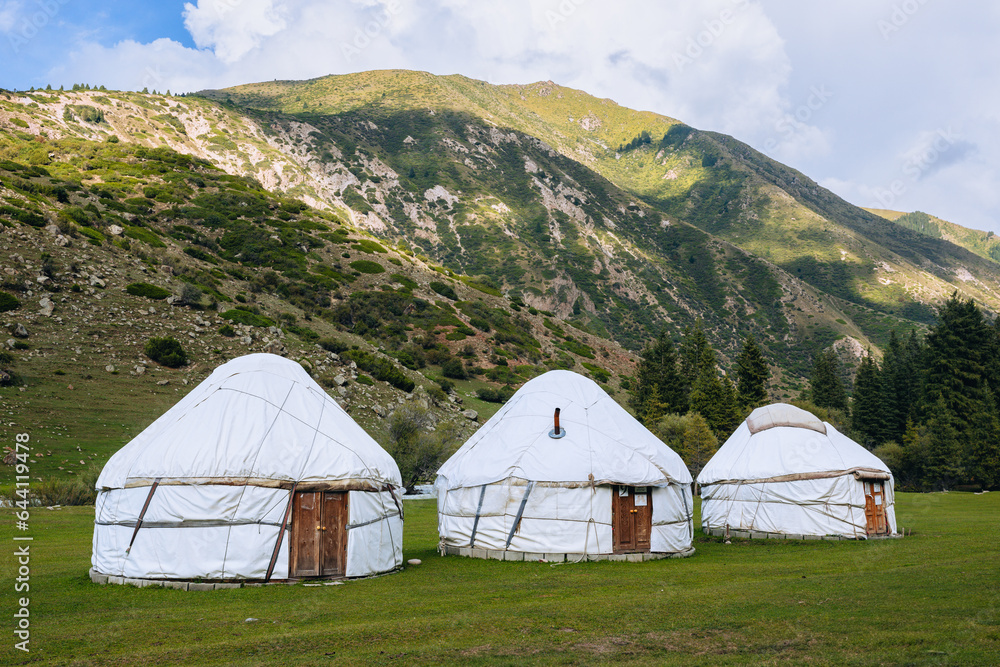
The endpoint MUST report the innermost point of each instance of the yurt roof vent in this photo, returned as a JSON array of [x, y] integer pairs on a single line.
[[556, 432]]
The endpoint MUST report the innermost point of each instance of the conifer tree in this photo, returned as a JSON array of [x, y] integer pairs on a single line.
[[956, 385], [658, 369], [825, 386], [696, 353], [944, 450], [698, 444], [899, 387], [714, 398], [752, 374], [867, 406]]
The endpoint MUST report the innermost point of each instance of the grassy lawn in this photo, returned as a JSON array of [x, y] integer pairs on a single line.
[[931, 598]]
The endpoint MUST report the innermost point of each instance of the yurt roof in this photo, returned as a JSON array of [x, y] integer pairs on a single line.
[[782, 440], [601, 442], [258, 419]]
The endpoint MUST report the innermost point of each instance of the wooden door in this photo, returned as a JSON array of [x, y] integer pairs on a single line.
[[334, 531], [318, 535], [631, 518], [875, 520]]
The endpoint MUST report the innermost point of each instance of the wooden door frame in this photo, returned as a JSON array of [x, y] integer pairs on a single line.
[[329, 563], [878, 513], [635, 516]]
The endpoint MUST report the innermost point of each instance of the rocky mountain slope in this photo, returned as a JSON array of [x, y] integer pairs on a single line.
[[106, 245], [513, 228]]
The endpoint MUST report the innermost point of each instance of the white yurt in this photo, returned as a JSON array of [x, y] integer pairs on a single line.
[[562, 471], [257, 474], [785, 473]]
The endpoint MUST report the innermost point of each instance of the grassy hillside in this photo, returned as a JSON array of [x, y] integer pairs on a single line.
[[928, 599], [709, 180], [984, 244], [596, 225], [109, 244]]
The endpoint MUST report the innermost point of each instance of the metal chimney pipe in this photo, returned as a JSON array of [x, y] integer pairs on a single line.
[[556, 419]]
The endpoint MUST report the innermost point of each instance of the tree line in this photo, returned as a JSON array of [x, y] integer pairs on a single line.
[[930, 409], [681, 396]]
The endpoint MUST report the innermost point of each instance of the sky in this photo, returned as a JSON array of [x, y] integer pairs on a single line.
[[889, 103]]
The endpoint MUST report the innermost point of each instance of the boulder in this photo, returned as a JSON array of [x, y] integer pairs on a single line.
[[275, 347], [47, 307], [116, 230], [471, 415], [18, 330]]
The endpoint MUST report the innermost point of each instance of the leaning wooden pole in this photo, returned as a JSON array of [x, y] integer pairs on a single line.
[[281, 534]]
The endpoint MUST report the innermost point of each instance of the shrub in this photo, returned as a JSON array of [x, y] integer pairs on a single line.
[[417, 452], [305, 333], [191, 295], [437, 395], [149, 291], [380, 368], [365, 380], [406, 282], [8, 302], [227, 330], [453, 368], [246, 317], [366, 245], [79, 491], [367, 266], [166, 351], [480, 324], [444, 290], [332, 345], [491, 395]]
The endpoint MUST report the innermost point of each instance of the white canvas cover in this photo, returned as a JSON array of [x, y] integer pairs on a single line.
[[225, 459], [784, 471], [568, 507]]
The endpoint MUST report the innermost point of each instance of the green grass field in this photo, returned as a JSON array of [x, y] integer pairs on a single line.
[[932, 598]]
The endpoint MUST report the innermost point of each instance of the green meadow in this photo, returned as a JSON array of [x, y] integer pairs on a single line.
[[932, 598]]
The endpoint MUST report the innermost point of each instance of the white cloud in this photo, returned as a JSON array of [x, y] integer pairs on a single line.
[[232, 28], [10, 11]]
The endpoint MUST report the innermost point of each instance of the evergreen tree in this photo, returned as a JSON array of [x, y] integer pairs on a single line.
[[696, 353], [653, 407], [956, 385], [714, 398], [899, 387], [944, 450], [867, 407], [915, 447], [658, 368], [825, 386], [752, 374], [698, 444], [993, 363]]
